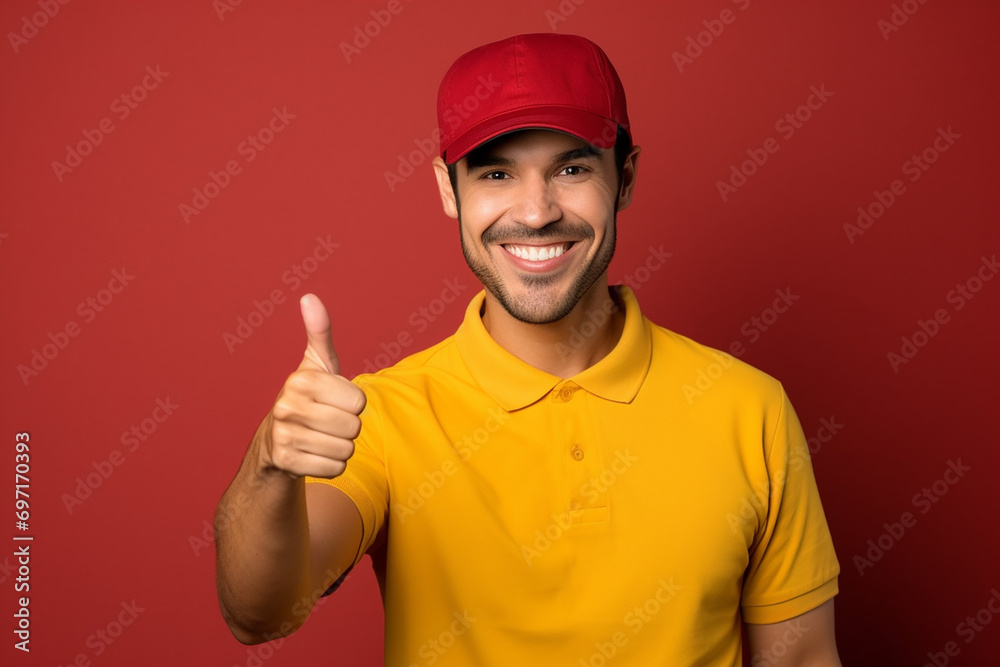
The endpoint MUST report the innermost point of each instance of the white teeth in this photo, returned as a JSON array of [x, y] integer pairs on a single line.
[[534, 253]]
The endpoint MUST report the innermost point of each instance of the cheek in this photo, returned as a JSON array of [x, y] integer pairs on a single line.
[[592, 206], [479, 211]]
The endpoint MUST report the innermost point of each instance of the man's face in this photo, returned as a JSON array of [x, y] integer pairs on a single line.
[[537, 220]]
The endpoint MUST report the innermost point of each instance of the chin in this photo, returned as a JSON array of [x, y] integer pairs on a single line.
[[537, 308]]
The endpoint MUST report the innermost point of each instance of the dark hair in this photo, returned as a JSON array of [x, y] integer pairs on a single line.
[[623, 146]]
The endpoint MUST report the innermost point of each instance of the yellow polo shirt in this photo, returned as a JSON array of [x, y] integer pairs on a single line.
[[636, 511]]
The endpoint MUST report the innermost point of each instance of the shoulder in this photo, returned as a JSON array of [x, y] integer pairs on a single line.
[[441, 361], [703, 371]]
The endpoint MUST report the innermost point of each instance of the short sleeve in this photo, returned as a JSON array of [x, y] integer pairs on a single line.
[[364, 480], [793, 567]]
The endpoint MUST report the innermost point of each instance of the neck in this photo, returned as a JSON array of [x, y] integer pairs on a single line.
[[565, 347]]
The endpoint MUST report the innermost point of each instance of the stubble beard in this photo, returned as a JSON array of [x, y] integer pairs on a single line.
[[537, 307]]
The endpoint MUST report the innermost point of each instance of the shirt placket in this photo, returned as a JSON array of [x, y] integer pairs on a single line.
[[586, 500]]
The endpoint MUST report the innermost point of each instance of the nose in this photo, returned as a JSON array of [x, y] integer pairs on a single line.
[[535, 205]]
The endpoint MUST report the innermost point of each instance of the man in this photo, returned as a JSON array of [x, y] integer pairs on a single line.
[[537, 488]]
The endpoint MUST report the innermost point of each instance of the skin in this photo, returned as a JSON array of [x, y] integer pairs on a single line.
[[537, 188], [281, 543], [807, 640]]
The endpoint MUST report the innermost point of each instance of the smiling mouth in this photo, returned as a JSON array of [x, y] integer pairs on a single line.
[[535, 253]]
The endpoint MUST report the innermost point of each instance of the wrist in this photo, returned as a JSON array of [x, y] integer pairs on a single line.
[[261, 446]]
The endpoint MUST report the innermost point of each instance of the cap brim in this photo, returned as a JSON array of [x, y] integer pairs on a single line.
[[597, 130]]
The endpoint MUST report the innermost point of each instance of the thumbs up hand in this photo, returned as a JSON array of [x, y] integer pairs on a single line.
[[320, 354], [312, 426]]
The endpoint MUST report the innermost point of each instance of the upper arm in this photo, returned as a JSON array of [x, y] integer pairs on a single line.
[[792, 564], [347, 513], [806, 640], [335, 533]]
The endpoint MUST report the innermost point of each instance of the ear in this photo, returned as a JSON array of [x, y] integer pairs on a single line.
[[444, 188], [628, 178]]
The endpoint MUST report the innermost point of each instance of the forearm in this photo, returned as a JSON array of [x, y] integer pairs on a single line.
[[276, 555], [262, 542]]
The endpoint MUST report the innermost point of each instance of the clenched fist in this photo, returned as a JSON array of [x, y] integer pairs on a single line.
[[312, 426]]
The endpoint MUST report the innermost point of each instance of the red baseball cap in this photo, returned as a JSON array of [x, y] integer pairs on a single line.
[[544, 80]]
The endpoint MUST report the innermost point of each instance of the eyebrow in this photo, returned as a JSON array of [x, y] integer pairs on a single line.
[[480, 159], [585, 151]]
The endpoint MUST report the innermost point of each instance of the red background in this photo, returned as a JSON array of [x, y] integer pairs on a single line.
[[136, 537]]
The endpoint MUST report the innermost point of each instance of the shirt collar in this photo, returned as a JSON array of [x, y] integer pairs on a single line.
[[515, 384]]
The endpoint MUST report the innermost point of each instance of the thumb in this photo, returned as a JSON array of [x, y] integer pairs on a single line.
[[318, 331]]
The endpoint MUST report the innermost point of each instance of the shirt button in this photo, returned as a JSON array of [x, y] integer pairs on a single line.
[[566, 393], [576, 452]]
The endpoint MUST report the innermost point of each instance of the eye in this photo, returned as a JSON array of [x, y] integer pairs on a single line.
[[573, 170], [494, 175]]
